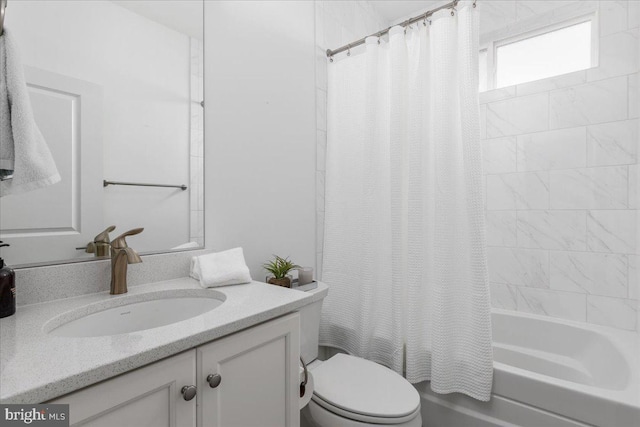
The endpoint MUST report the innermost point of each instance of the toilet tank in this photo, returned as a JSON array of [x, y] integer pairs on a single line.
[[310, 326]]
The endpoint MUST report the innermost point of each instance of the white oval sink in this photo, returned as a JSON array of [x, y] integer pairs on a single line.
[[132, 316]]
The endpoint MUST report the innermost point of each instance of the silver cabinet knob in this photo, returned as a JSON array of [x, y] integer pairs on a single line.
[[214, 380], [189, 392]]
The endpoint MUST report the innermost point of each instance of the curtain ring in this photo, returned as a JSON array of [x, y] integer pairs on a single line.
[[378, 39], [474, 4], [348, 50]]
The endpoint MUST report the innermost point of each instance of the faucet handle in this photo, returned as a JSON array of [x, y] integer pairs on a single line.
[[104, 236], [100, 240], [120, 241]]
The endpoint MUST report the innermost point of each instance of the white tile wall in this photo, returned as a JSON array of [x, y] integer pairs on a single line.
[[589, 272], [612, 231], [528, 190], [560, 159], [558, 82], [566, 305], [618, 55], [522, 267], [617, 312], [562, 230], [499, 155], [613, 16], [532, 8], [504, 296], [634, 102], [502, 228], [196, 181], [518, 115], [613, 143], [497, 14], [589, 188], [634, 285], [558, 149], [633, 186], [634, 14], [590, 103]]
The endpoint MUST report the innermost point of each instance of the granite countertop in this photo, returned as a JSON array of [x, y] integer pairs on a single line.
[[36, 366]]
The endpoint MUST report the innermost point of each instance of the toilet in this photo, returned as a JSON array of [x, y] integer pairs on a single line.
[[348, 391]]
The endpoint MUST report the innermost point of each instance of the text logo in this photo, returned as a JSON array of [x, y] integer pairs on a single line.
[[34, 415]]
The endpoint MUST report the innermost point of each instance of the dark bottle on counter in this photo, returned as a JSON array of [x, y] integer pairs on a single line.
[[7, 289]]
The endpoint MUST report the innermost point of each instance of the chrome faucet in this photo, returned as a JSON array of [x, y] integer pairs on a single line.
[[101, 245], [121, 256]]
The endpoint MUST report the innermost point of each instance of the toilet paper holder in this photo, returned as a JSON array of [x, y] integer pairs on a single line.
[[303, 384]]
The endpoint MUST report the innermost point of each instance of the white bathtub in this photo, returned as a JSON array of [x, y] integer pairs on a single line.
[[549, 372]]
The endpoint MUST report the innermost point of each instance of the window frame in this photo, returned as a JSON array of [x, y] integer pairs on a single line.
[[513, 34]]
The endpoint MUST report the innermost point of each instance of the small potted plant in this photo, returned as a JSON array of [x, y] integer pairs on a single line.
[[279, 267]]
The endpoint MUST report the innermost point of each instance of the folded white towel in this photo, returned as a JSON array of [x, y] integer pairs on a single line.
[[23, 149], [220, 269]]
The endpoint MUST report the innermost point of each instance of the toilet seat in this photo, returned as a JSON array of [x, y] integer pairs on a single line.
[[364, 391], [362, 417]]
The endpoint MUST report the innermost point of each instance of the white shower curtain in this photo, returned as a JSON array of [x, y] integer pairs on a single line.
[[404, 251]]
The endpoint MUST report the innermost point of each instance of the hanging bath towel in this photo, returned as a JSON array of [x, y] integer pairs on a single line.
[[26, 163]]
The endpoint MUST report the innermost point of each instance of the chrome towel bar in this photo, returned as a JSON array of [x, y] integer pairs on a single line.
[[106, 183]]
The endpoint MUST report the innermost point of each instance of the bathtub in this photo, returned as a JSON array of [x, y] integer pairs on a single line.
[[548, 373]]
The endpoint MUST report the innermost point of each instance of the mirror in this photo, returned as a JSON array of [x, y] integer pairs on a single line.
[[117, 92]]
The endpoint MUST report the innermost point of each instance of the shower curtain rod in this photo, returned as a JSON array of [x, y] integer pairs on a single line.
[[451, 5]]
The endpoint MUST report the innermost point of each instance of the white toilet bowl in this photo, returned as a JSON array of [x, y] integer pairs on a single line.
[[349, 391], [354, 392]]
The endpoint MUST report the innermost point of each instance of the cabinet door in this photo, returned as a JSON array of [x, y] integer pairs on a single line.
[[259, 377], [147, 397]]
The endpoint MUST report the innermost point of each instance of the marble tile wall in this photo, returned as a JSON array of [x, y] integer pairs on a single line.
[[337, 23], [560, 160]]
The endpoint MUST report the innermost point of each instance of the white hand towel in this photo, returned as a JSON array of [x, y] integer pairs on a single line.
[[220, 268], [22, 147]]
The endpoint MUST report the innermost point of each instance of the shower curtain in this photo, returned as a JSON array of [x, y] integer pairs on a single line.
[[404, 251]]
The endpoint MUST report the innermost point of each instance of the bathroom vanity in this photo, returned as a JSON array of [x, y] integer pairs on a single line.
[[235, 364], [248, 378]]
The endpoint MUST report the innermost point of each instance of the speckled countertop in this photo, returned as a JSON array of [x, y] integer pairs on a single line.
[[36, 366]]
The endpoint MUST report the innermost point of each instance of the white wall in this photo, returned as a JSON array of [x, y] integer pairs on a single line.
[[144, 69], [260, 130]]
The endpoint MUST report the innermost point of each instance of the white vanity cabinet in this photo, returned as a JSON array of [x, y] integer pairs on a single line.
[[258, 373], [147, 397], [246, 379]]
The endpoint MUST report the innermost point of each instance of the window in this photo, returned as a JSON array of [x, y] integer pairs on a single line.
[[558, 52], [538, 54], [482, 58]]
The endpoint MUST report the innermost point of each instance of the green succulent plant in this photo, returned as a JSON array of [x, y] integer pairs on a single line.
[[279, 266]]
